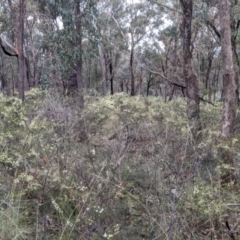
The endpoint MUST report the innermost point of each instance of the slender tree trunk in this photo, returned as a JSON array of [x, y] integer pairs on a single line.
[[31, 72], [29, 76], [20, 42], [121, 85], [111, 75], [188, 71], [79, 60], [207, 79], [149, 80], [131, 69], [139, 85], [103, 68], [229, 86], [89, 67], [236, 66]]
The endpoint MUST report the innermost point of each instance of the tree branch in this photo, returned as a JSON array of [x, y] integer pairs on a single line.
[[167, 7], [210, 24], [175, 84], [162, 76], [4, 45]]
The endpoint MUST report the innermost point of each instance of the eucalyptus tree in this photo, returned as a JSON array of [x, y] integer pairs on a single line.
[[119, 29], [73, 24], [20, 43], [137, 22], [184, 30], [78, 44], [17, 11], [141, 22], [213, 24], [188, 70], [229, 83], [170, 66], [34, 35], [23, 39], [110, 39]]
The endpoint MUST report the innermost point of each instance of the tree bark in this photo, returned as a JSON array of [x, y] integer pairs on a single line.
[[131, 68], [103, 68], [111, 75], [229, 87], [208, 84], [229, 84], [20, 42], [234, 29], [188, 71], [79, 60], [30, 81]]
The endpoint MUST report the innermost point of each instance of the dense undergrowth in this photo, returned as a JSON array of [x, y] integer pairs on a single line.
[[122, 168]]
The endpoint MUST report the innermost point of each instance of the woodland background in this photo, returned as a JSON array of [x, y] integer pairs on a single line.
[[119, 119]]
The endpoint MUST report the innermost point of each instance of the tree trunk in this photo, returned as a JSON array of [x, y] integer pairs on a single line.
[[131, 68], [29, 76], [236, 65], [103, 68], [79, 60], [188, 71], [207, 79], [234, 38], [229, 86], [111, 75], [20, 42]]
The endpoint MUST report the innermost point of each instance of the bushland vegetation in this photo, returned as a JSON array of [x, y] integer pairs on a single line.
[[122, 168], [119, 119]]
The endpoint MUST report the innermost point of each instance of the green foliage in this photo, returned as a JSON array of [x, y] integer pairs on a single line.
[[11, 128], [122, 168]]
